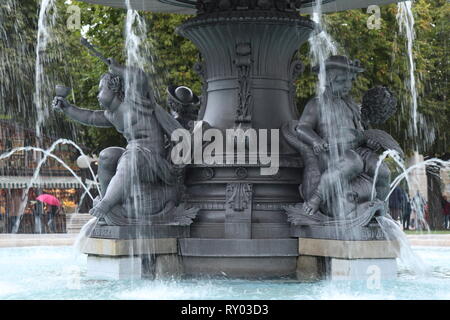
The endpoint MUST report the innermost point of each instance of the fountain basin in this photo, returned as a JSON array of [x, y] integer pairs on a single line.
[[56, 273]]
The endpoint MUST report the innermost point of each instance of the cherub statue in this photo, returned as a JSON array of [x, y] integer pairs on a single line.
[[340, 155], [138, 177]]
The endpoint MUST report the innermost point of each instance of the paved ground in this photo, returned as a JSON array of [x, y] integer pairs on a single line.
[[27, 240], [437, 240]]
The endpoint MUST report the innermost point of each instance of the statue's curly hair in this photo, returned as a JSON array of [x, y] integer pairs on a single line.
[[378, 105], [115, 84]]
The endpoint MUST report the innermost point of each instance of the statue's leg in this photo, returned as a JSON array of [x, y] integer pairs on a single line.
[[132, 170], [135, 167], [108, 161], [337, 175], [382, 184]]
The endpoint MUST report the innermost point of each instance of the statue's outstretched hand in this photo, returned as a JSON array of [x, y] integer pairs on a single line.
[[59, 104]]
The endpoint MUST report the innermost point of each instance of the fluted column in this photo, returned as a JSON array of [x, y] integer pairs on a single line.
[[247, 64]]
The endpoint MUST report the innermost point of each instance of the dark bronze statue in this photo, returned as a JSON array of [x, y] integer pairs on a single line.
[[138, 184], [339, 153]]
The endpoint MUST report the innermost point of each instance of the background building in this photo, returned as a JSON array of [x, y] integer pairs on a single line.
[[16, 173]]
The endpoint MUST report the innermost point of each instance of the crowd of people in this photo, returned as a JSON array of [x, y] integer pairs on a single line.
[[413, 212], [44, 217], [446, 212]]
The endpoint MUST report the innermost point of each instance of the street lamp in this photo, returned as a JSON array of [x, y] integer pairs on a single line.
[[84, 161]]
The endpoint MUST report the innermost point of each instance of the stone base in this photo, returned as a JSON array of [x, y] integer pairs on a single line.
[[168, 266], [338, 233], [110, 259], [239, 258], [311, 268], [344, 249], [346, 260], [373, 270], [130, 247], [309, 259], [114, 268], [134, 232]]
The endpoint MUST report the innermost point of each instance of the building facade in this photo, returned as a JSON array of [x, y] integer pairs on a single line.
[[16, 176]]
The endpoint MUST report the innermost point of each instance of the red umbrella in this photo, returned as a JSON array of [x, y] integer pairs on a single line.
[[49, 199]]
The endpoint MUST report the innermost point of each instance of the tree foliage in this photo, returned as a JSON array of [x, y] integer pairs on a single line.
[[381, 51]]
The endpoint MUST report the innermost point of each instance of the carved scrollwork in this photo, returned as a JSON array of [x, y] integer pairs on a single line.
[[241, 172], [207, 173], [239, 196], [243, 62]]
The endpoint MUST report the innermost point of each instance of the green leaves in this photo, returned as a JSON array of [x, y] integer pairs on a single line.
[[382, 53]]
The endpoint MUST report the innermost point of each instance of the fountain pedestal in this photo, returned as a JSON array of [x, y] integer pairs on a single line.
[[346, 259], [248, 66], [130, 252]]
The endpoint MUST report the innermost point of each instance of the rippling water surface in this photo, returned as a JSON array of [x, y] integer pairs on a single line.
[[55, 273]]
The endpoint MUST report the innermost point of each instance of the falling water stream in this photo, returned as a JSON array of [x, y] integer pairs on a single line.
[[35, 175], [398, 160], [137, 53], [321, 47], [405, 19], [399, 178], [47, 154], [47, 17], [399, 242]]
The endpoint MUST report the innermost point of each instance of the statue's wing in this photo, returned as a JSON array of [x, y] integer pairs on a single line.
[[378, 105], [386, 141], [183, 216], [311, 170], [167, 122]]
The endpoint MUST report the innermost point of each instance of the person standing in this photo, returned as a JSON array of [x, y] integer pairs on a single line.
[[51, 214], [37, 214], [446, 212], [397, 203], [2, 219], [406, 214]]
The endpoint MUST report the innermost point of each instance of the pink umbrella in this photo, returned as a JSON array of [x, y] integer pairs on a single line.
[[49, 199]]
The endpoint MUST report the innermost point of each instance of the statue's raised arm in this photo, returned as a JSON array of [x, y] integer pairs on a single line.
[[85, 116]]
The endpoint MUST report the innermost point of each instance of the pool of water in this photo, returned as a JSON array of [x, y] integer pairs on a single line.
[[56, 273]]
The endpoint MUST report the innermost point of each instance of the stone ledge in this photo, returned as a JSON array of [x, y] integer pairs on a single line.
[[31, 240], [348, 249], [160, 231], [198, 247], [338, 233], [111, 247]]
